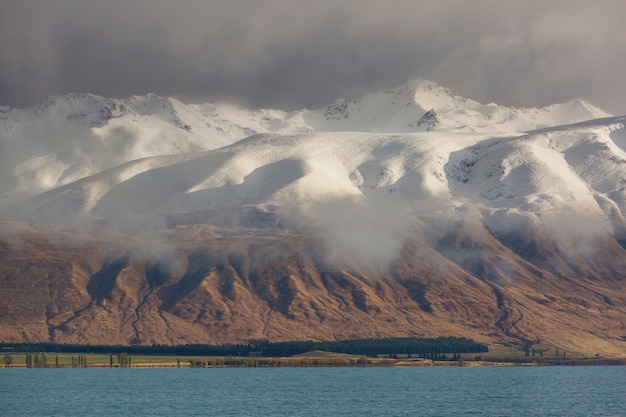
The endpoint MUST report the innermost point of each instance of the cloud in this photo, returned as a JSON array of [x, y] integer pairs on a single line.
[[356, 230], [281, 53]]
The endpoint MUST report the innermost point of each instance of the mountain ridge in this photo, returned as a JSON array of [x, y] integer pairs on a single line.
[[66, 131]]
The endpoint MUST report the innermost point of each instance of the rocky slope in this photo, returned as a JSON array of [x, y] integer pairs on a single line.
[[202, 284]]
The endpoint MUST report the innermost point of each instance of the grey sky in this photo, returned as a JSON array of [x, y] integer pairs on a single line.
[[292, 54]]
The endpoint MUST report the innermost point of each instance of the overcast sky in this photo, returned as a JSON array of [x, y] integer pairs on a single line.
[[292, 54]]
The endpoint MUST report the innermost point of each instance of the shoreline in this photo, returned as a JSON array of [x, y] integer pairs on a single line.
[[294, 362]]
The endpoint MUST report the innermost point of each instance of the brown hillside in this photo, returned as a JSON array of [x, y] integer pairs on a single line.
[[199, 284]]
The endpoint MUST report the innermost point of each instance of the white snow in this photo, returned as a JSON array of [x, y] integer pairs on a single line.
[[84, 156], [70, 137]]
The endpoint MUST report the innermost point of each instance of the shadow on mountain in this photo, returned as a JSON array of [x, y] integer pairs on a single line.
[[145, 192], [101, 284], [199, 265]]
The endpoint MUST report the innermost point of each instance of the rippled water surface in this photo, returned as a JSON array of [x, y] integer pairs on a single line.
[[454, 391]]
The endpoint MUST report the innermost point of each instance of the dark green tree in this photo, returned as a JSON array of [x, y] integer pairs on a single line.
[[122, 359]]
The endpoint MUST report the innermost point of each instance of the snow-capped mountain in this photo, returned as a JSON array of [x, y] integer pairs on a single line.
[[67, 138], [103, 159], [411, 211]]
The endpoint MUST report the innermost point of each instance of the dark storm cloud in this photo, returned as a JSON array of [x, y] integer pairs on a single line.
[[291, 54]]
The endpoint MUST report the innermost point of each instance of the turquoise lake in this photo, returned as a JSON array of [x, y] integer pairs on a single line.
[[453, 391]]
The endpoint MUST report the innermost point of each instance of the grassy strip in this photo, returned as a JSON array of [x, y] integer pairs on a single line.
[[68, 360], [309, 359]]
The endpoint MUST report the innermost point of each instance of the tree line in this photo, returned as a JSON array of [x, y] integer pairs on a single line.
[[372, 347], [419, 347], [40, 360]]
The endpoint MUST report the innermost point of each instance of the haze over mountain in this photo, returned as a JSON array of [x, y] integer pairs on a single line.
[[410, 211]]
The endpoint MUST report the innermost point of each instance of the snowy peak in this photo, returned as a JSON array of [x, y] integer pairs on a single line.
[[399, 110], [427, 95], [393, 110], [69, 137], [90, 110], [82, 108]]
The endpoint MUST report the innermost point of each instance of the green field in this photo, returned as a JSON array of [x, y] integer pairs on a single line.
[[67, 360]]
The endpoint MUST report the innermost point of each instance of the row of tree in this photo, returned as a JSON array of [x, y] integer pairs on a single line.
[[79, 361], [373, 347], [39, 360], [421, 347]]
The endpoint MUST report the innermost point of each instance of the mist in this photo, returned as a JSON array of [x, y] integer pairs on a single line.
[[356, 231]]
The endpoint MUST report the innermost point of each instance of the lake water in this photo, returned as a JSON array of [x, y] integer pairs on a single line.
[[450, 391]]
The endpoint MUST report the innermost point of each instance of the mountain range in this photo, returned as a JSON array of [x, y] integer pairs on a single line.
[[407, 212]]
